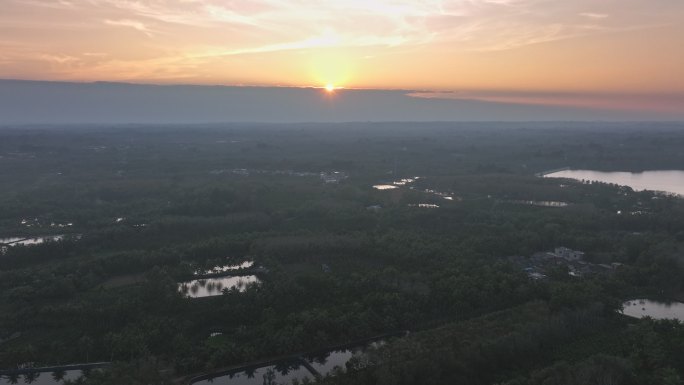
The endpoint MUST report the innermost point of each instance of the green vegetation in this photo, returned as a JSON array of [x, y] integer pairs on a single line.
[[144, 207]]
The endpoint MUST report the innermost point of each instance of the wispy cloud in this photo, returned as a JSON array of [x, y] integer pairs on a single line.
[[265, 25], [59, 59], [137, 25], [592, 15]]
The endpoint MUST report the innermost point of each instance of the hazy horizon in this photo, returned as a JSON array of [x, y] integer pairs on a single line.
[[42, 102]]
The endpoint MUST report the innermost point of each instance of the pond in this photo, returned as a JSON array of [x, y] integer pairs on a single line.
[[278, 374], [384, 187], [45, 378], [326, 363], [640, 308], [208, 287], [671, 181]]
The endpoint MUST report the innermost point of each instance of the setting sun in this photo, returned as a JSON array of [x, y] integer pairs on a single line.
[[330, 87]]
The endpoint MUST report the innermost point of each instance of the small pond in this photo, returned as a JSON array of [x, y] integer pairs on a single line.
[[214, 286], [640, 308], [384, 187], [325, 363]]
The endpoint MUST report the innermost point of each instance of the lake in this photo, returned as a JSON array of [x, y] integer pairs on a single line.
[[640, 308], [213, 286], [44, 378], [671, 181]]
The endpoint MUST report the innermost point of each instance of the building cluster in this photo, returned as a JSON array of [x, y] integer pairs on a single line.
[[539, 264]]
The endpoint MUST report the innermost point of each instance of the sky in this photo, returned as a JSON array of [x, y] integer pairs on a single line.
[[598, 54]]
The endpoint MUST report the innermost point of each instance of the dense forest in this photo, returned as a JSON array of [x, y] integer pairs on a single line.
[[125, 214]]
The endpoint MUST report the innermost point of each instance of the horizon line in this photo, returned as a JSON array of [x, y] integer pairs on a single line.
[[453, 91]]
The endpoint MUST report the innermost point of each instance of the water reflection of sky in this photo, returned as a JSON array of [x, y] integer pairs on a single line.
[[669, 181], [214, 286], [14, 241], [384, 187], [640, 308], [325, 364], [42, 378], [283, 375]]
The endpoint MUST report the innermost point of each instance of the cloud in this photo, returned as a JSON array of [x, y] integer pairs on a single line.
[[137, 25], [60, 59], [287, 24], [594, 15], [266, 25]]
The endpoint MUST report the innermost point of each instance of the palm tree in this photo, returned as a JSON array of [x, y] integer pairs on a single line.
[[58, 375], [31, 377], [269, 377], [85, 343]]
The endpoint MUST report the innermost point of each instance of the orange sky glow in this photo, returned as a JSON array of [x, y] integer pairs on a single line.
[[620, 54]]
